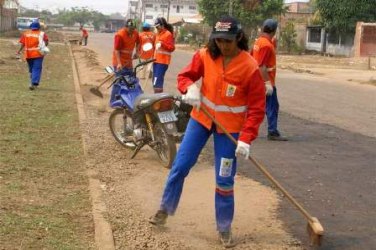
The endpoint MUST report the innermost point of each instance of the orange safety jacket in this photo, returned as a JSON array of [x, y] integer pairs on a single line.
[[125, 43], [84, 33], [146, 37], [30, 40], [264, 53], [234, 95], [163, 54]]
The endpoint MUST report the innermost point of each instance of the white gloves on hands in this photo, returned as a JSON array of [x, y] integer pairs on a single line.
[[268, 88], [158, 45], [243, 149], [193, 96]]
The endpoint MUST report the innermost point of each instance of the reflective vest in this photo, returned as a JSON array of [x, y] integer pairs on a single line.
[[225, 91], [163, 54], [30, 39], [146, 37], [264, 53], [127, 46]]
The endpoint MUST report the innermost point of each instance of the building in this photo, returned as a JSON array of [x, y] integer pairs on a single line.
[[172, 10], [8, 14]]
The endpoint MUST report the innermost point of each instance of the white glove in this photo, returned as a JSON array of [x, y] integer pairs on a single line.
[[243, 149], [268, 88], [158, 45], [193, 96]]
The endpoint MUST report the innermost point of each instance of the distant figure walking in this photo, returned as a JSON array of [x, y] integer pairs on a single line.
[[34, 43]]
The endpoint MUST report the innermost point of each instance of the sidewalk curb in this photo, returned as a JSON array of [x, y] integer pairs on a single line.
[[103, 233]]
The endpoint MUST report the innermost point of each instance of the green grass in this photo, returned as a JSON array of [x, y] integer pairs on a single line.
[[44, 199]]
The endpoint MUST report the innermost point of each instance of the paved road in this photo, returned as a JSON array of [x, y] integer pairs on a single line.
[[330, 162]]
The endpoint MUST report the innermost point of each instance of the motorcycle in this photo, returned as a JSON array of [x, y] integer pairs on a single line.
[[138, 119]]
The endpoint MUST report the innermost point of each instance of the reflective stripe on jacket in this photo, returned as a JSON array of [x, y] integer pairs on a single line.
[[30, 39], [235, 96], [265, 55], [163, 54], [146, 37], [127, 44]]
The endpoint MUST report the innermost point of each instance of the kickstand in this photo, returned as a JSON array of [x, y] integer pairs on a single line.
[[137, 149]]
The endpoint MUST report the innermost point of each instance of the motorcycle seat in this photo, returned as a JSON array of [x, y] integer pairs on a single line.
[[145, 100]]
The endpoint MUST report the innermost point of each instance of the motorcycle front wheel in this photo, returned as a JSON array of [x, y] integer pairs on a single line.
[[165, 146], [121, 126]]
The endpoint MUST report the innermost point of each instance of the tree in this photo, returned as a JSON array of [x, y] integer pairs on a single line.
[[81, 16], [288, 37], [250, 13], [342, 15]]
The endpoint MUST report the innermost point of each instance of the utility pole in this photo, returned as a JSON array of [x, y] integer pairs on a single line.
[[230, 8], [168, 10]]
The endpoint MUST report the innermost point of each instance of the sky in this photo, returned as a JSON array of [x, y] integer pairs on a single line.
[[103, 6]]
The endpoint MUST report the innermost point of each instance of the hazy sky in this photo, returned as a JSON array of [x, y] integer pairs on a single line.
[[104, 6]]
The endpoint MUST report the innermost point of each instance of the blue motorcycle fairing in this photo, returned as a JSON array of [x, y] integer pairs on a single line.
[[124, 95]]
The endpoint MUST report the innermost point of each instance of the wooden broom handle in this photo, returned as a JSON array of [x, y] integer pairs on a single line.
[[261, 168]]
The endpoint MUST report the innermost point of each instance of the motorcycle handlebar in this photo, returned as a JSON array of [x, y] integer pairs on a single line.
[[142, 64]]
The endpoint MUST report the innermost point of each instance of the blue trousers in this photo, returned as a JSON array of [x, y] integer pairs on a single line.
[[35, 70], [159, 71], [272, 109], [193, 142]]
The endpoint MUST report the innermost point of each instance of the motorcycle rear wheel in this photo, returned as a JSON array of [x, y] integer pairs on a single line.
[[121, 126], [165, 147]]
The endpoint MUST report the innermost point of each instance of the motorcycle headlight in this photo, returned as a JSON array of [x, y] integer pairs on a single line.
[[163, 105]]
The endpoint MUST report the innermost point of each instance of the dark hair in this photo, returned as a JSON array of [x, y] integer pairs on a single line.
[[242, 44], [165, 24]]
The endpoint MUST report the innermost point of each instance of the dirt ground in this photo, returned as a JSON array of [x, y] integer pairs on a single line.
[[132, 189]]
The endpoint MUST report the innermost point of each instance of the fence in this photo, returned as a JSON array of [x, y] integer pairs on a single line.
[[7, 19]]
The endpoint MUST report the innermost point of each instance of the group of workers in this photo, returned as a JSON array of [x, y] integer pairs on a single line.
[[127, 40], [238, 88]]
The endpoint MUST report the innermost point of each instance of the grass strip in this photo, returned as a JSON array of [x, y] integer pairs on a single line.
[[44, 199]]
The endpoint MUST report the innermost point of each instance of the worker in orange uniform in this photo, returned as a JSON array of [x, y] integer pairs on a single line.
[[164, 46], [84, 35], [233, 91], [264, 52], [146, 36], [31, 42], [125, 42]]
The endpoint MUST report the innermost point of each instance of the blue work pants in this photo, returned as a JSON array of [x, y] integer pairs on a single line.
[[272, 109], [159, 71], [193, 142], [35, 70]]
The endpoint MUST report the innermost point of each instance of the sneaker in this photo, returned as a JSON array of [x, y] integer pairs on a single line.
[[31, 87], [159, 219], [226, 239], [276, 136]]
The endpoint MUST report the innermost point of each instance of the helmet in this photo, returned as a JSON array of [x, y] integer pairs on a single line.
[[146, 25], [35, 25], [269, 26]]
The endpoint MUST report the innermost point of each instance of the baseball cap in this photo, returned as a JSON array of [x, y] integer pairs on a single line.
[[227, 28], [158, 22], [269, 25], [130, 23]]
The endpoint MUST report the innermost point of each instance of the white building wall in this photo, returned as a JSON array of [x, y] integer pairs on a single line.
[[151, 9]]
